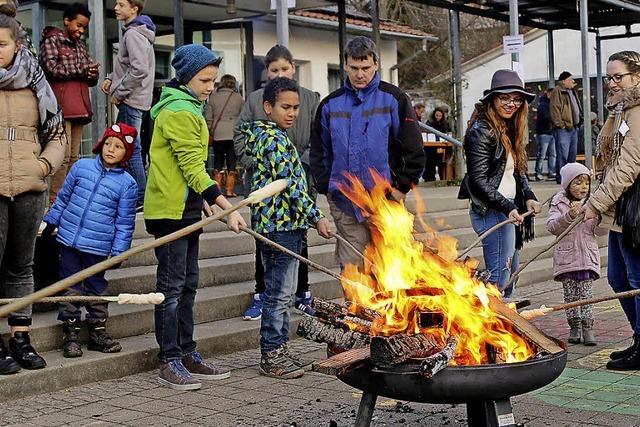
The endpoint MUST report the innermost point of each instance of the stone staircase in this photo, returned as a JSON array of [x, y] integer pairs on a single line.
[[226, 289]]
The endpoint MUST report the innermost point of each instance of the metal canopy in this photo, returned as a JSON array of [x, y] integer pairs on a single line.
[[549, 14]]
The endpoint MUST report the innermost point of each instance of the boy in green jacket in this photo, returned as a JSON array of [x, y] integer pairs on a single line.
[[177, 191]]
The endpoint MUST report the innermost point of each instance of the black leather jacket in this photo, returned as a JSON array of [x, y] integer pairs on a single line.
[[486, 161]]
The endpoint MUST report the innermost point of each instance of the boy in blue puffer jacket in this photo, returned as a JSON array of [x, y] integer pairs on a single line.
[[95, 215]]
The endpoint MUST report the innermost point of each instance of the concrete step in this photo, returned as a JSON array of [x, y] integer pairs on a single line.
[[212, 304]]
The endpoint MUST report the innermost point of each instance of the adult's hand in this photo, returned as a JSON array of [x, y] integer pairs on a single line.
[[235, 221], [106, 86], [324, 228], [516, 217], [589, 212], [397, 195], [534, 205], [115, 100]]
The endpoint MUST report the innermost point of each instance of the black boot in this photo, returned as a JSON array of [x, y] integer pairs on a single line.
[[71, 347], [628, 363], [7, 364], [99, 339], [619, 354], [23, 352]]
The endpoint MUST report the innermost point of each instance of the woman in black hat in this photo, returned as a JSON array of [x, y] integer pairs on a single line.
[[496, 181]]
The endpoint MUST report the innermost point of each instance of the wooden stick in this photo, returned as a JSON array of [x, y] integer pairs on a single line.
[[400, 347], [341, 362], [255, 197], [577, 220], [351, 246], [542, 311], [140, 299], [435, 363]]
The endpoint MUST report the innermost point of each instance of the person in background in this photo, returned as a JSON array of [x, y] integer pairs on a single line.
[[419, 110], [279, 63], [95, 214], [437, 120], [130, 85], [545, 139], [496, 180], [222, 112], [566, 115], [33, 147], [70, 72]]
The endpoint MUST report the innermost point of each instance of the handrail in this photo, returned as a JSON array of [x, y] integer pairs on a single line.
[[440, 134]]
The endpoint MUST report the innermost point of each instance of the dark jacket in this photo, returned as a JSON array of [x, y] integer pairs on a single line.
[[486, 161], [544, 126], [359, 130], [95, 211]]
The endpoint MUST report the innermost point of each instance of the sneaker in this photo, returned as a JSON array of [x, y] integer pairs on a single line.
[[23, 352], [204, 370], [7, 364], [305, 364], [254, 312], [175, 376], [304, 304], [277, 364], [539, 177]]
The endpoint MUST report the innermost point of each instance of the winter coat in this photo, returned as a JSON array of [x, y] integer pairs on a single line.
[[560, 108], [134, 69], [21, 153], [95, 211], [277, 158], [486, 162], [226, 123], [299, 133], [65, 62], [578, 251], [359, 130], [177, 178], [544, 126], [618, 170]]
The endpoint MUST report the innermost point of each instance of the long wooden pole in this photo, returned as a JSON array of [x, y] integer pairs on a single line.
[[542, 311], [258, 195]]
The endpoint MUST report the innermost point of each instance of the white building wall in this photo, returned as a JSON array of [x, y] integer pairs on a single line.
[[567, 55], [314, 50]]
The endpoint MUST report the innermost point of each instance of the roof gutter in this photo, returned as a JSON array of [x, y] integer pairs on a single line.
[[623, 4]]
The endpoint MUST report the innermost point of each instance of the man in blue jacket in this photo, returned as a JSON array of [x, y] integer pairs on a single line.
[[366, 125]]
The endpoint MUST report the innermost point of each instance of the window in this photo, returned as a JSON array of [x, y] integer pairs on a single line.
[[334, 76]]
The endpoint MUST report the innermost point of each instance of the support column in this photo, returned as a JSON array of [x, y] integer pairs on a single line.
[[342, 34], [513, 25], [178, 22], [38, 17], [552, 59], [206, 39], [599, 88], [586, 84], [282, 22], [375, 25], [249, 77], [98, 52], [454, 31]]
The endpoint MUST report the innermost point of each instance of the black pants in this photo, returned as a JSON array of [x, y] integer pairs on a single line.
[[432, 159], [223, 151], [303, 272]]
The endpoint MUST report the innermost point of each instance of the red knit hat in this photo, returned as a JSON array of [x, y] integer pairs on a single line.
[[124, 133]]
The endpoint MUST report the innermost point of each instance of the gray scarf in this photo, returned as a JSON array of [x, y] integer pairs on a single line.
[[26, 73]]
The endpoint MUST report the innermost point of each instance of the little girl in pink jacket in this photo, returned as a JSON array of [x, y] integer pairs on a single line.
[[576, 258]]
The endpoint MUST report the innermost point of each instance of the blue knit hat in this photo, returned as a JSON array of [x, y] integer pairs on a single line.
[[190, 59]]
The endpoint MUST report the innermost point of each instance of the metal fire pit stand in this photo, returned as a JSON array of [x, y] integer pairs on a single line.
[[489, 413]]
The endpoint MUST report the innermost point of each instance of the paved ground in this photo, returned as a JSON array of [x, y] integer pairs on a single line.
[[585, 395]]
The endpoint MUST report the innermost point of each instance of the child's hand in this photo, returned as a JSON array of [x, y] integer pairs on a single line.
[[575, 210], [207, 209], [235, 221], [106, 86], [324, 228]]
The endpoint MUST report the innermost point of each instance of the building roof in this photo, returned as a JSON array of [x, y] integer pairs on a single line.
[[360, 21]]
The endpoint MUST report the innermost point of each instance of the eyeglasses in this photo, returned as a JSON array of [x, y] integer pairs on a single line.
[[616, 78], [506, 100]]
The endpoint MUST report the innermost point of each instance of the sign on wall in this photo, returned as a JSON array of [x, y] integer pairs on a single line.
[[513, 44]]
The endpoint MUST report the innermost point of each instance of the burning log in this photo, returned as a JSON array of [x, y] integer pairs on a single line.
[[335, 365], [397, 348], [316, 330], [328, 309], [440, 360]]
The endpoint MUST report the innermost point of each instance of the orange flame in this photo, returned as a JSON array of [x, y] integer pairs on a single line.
[[404, 277]]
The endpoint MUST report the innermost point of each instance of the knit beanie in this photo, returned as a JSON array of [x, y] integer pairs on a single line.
[[571, 171], [125, 133], [564, 75], [190, 59]]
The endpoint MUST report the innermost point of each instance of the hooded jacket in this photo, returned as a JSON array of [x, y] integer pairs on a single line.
[[134, 69], [177, 180], [357, 131], [95, 211], [276, 158]]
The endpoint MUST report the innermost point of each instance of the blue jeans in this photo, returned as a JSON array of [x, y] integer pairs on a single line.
[[498, 249], [177, 279], [133, 117], [546, 145], [623, 272], [280, 279], [566, 148]]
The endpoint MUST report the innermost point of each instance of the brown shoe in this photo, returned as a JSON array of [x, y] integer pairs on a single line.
[[231, 182], [175, 376], [203, 370], [218, 178]]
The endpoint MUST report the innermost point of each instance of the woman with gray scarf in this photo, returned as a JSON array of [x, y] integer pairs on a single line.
[[33, 144]]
